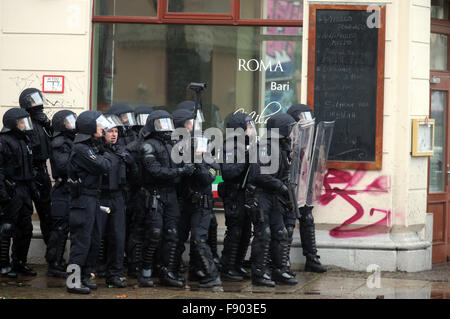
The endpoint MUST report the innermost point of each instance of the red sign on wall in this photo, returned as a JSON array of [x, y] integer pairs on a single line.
[[53, 84]]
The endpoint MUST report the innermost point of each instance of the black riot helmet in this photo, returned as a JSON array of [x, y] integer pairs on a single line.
[[186, 105], [301, 112], [244, 121], [125, 113], [141, 113], [17, 120], [64, 121], [159, 123], [32, 99], [283, 122], [181, 116], [87, 122]]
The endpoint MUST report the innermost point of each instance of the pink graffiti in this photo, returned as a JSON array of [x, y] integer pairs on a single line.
[[283, 10], [381, 184]]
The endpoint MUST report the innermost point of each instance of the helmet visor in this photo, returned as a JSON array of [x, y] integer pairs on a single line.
[[24, 124], [35, 99], [142, 119], [103, 122], [128, 119], [164, 125], [305, 116], [69, 122], [114, 121]]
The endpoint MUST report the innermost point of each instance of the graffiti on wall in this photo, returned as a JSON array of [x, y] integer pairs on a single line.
[[73, 89], [344, 184]]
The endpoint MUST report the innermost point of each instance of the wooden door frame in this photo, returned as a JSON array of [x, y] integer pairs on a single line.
[[441, 249]]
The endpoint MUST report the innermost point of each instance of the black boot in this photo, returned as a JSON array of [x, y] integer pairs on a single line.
[[23, 268], [228, 270], [88, 282], [134, 261], [101, 260], [116, 282], [5, 266], [283, 277], [280, 259], [212, 239], [56, 270], [82, 290], [308, 238], [208, 266], [260, 261], [196, 274], [240, 269], [168, 275], [145, 278]]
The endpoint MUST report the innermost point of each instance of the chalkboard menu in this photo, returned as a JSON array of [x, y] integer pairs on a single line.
[[346, 85]]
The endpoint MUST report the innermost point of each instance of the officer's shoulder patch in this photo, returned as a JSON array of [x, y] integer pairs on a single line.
[[91, 154], [212, 171], [148, 147]]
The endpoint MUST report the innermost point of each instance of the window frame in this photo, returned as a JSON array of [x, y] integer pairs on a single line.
[[165, 17]]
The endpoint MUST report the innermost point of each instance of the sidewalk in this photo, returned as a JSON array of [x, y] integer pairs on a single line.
[[335, 284]]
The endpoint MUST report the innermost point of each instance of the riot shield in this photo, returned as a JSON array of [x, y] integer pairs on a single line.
[[302, 140], [324, 135]]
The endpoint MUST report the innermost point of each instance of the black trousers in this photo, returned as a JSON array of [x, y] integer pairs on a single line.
[[59, 233], [239, 230], [85, 230], [21, 210], [135, 228], [270, 234], [43, 203], [170, 237], [196, 220], [112, 229]]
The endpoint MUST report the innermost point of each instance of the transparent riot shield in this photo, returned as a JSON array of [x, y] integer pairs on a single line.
[[302, 140], [324, 135]]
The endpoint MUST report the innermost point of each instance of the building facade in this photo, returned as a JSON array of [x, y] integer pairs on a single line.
[[380, 205]]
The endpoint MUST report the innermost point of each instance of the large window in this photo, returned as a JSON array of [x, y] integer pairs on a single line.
[[252, 66]]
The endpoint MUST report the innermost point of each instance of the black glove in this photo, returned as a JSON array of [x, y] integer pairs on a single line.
[[284, 190], [186, 170], [4, 197], [125, 156], [35, 193]]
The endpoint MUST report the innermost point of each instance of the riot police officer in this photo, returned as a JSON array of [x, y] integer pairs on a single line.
[[135, 210], [32, 100], [232, 192], [17, 186], [111, 216], [127, 117], [63, 125], [270, 235], [87, 164], [301, 112], [160, 175], [141, 113], [212, 232], [196, 204]]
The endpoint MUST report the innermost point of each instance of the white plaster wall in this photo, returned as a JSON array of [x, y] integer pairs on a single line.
[[45, 37]]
